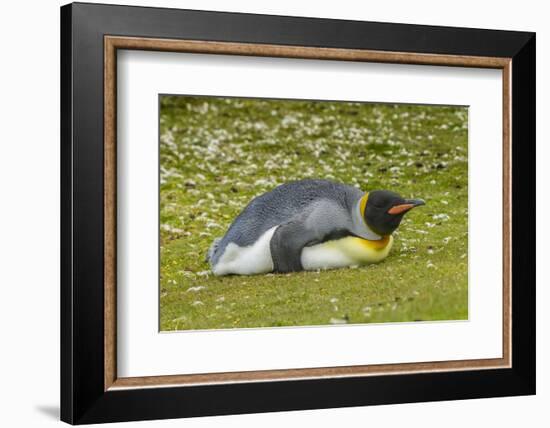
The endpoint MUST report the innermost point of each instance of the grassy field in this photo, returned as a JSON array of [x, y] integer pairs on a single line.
[[217, 154]]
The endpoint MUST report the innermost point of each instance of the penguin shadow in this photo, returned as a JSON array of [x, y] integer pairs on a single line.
[[51, 411]]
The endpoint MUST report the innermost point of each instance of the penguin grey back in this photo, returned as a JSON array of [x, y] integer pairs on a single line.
[[280, 206]]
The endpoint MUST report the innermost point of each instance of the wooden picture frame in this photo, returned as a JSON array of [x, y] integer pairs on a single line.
[[91, 390]]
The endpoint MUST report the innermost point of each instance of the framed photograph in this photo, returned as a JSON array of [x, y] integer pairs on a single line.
[[265, 213]]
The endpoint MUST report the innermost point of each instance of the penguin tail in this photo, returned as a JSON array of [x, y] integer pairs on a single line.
[[212, 250]]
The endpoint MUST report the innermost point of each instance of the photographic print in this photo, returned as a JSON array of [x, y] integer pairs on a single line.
[[309, 212], [311, 204]]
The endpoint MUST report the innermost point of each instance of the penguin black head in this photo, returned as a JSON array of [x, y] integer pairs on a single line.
[[383, 210]]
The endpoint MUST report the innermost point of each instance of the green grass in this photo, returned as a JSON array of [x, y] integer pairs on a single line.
[[217, 154]]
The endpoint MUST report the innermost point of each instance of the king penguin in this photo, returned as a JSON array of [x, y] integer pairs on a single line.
[[310, 225]]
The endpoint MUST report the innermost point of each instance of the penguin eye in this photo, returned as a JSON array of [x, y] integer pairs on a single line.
[[377, 204], [380, 202]]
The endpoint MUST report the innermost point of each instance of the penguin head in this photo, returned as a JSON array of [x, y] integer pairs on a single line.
[[383, 210]]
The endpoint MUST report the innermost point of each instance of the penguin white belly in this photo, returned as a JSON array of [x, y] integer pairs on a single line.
[[256, 258], [250, 260], [349, 251]]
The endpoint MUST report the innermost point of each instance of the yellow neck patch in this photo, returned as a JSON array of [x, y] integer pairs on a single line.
[[363, 204], [375, 245]]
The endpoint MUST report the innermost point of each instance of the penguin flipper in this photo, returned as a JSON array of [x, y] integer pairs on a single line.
[[286, 246], [323, 221]]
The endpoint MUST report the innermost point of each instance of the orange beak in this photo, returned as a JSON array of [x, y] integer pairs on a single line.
[[403, 208]]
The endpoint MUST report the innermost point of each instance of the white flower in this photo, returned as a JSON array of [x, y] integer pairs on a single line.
[[170, 229], [442, 216]]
